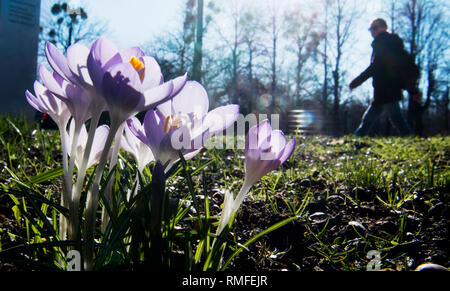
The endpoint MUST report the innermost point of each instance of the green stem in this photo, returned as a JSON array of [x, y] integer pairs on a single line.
[[70, 170], [65, 196], [113, 162], [241, 195], [75, 205], [92, 199], [213, 259]]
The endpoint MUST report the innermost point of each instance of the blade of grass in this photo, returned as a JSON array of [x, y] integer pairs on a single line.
[[46, 176]]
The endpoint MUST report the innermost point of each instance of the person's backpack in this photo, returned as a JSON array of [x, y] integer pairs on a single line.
[[402, 64], [410, 71]]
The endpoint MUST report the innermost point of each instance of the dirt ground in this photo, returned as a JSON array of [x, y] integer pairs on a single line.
[[337, 235]]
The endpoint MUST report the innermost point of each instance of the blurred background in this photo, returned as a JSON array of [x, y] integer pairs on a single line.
[[291, 57]]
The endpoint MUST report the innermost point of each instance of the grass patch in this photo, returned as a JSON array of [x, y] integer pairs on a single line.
[[351, 195]]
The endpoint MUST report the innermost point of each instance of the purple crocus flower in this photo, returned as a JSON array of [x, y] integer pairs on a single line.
[[101, 133], [132, 144], [265, 150], [129, 80], [73, 66], [183, 123], [73, 95], [46, 102], [73, 69]]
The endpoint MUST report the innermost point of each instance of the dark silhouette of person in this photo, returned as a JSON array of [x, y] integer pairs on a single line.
[[386, 81]]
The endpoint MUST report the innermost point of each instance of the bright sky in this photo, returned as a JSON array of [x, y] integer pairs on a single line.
[[130, 22]]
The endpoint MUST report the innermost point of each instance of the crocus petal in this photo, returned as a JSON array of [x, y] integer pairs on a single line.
[[274, 147], [221, 118], [73, 95], [270, 153], [33, 101], [137, 129], [50, 82], [132, 144], [178, 84], [130, 52], [98, 144], [102, 51], [156, 96], [254, 167], [126, 143], [60, 80], [251, 140], [130, 137], [227, 211], [181, 139], [192, 98], [264, 131], [190, 155], [123, 56], [58, 61], [46, 99], [81, 102], [196, 144], [287, 151], [152, 73], [77, 55], [154, 128], [166, 108], [122, 90], [166, 153], [101, 134]]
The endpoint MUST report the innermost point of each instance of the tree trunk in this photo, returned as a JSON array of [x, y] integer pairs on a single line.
[[250, 79], [197, 65], [446, 102]]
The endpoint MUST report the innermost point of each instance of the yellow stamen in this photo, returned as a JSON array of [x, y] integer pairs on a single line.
[[166, 123], [138, 66], [174, 123]]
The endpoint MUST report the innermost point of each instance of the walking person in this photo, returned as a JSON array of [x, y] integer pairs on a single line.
[[387, 81]]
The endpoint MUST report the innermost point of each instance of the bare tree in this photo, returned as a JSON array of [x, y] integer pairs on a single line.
[[342, 15], [175, 49], [197, 64], [274, 25], [301, 30], [66, 25], [251, 39], [424, 26], [325, 62]]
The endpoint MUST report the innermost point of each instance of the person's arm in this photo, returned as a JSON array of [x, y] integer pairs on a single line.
[[362, 77]]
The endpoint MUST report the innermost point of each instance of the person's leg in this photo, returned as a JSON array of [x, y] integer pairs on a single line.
[[368, 120], [397, 119]]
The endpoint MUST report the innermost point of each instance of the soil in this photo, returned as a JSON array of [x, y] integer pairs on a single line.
[[353, 230]]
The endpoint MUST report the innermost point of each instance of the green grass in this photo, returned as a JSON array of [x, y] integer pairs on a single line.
[[392, 169]]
